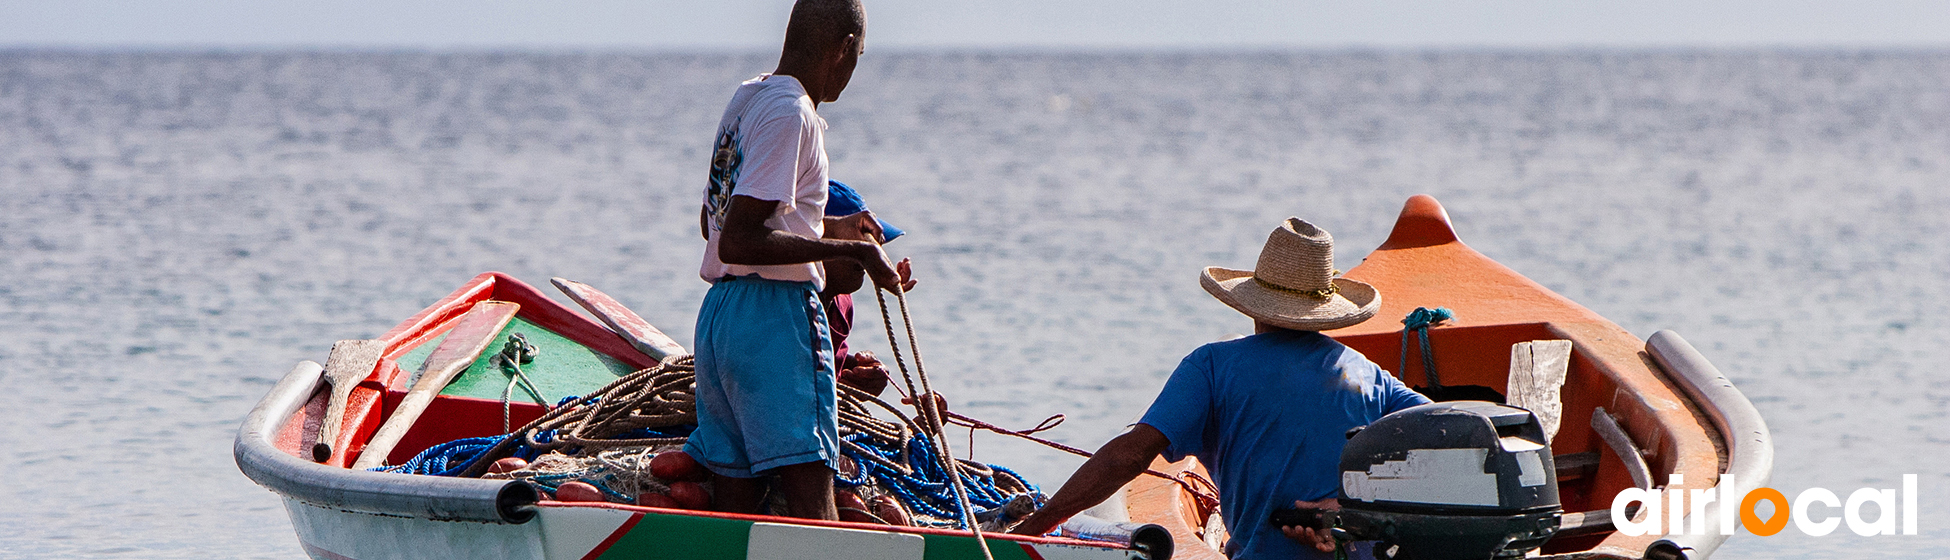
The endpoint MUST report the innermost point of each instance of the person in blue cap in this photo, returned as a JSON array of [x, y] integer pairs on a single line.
[[843, 277]]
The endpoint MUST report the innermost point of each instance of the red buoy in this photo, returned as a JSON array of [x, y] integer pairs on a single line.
[[508, 465], [578, 491], [890, 510], [677, 466], [690, 495]]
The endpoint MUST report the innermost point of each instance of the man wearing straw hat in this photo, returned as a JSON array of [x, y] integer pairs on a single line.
[[1268, 413]]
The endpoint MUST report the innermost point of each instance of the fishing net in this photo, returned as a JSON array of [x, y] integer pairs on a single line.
[[609, 437]]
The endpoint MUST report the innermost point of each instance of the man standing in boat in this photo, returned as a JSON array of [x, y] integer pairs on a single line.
[[766, 405], [1268, 413]]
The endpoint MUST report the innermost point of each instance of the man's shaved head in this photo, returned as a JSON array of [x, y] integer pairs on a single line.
[[819, 25]]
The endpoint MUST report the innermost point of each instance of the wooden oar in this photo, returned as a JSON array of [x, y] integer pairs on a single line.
[[647, 339], [463, 345], [351, 362]]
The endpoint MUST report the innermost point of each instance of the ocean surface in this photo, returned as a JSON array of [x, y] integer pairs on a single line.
[[178, 229]]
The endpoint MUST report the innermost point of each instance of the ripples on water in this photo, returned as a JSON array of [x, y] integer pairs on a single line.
[[177, 229]]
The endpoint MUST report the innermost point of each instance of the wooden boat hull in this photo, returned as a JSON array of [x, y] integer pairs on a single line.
[[340, 513], [1676, 411]]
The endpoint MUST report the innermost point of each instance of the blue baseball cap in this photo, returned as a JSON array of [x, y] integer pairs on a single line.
[[841, 200]]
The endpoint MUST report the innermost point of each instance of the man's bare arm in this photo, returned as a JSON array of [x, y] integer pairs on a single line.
[[1122, 459], [746, 240]]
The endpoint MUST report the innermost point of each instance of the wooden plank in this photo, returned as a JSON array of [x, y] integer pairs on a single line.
[[350, 363], [625, 323], [1573, 466], [1578, 524], [1621, 444], [464, 344], [1537, 370]]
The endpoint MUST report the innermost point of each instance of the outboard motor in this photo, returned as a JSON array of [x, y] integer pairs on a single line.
[[1461, 480]]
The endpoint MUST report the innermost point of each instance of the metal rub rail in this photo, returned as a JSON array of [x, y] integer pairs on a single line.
[[1750, 447], [425, 497]]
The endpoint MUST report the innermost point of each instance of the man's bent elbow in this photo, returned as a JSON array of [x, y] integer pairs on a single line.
[[735, 248]]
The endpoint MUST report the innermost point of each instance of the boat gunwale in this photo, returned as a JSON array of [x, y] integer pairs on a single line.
[[636, 509], [1749, 442]]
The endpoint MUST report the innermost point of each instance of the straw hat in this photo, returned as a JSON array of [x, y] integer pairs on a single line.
[[1294, 286]]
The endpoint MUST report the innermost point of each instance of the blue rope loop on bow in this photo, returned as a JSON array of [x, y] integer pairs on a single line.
[[1418, 322]]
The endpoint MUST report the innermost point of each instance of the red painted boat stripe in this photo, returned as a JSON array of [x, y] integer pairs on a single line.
[[315, 551], [614, 536], [1031, 551]]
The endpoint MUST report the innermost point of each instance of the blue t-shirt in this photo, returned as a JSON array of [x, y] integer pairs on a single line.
[[1267, 415]]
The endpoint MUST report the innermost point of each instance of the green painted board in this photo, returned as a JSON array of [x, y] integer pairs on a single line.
[[945, 547], [561, 368], [683, 536]]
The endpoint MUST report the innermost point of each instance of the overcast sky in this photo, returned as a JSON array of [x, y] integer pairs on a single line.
[[1002, 24]]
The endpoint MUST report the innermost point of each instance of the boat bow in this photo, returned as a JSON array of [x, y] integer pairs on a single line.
[[426, 497]]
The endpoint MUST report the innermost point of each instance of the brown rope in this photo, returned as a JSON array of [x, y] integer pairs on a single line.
[[1207, 497], [924, 404], [673, 372]]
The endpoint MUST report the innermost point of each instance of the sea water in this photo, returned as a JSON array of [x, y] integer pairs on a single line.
[[178, 229]]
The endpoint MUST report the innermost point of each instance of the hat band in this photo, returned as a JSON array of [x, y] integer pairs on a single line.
[[1322, 293]]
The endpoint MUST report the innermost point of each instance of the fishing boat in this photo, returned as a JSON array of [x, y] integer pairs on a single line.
[[310, 438], [1650, 414], [1655, 410]]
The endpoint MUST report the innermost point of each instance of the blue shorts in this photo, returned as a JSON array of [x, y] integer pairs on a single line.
[[765, 393]]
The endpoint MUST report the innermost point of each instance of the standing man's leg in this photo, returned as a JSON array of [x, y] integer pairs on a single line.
[[719, 443], [731, 494], [808, 490]]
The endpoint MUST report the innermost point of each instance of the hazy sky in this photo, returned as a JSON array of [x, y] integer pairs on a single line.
[[758, 24]]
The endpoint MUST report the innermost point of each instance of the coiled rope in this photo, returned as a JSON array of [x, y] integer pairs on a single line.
[[656, 397], [616, 427]]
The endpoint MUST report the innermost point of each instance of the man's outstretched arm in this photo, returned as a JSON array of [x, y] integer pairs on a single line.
[[746, 240], [1122, 459]]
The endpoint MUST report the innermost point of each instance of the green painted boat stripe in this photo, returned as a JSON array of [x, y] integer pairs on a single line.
[[659, 536], [946, 547]]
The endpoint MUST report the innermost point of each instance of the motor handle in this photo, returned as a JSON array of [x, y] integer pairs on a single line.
[[1312, 518]]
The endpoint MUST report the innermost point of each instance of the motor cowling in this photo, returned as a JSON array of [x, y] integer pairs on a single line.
[[1461, 480]]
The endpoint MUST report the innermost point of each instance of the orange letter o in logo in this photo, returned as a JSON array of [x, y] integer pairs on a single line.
[[1753, 523]]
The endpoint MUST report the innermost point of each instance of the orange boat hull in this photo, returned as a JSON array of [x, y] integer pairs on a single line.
[[1423, 264]]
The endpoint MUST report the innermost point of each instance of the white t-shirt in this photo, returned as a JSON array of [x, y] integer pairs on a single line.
[[771, 146]]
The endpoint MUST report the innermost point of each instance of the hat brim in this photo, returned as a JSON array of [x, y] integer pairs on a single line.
[[1354, 303], [887, 231]]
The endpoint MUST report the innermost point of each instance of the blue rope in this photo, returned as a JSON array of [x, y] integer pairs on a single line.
[[925, 489], [454, 457], [1418, 322]]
